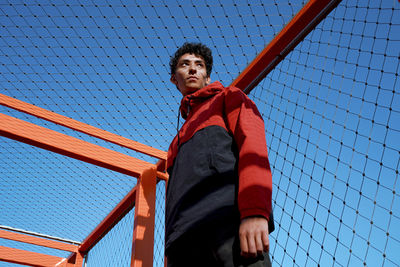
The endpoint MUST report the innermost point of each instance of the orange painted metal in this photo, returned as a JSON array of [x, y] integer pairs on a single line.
[[19, 256], [125, 205], [80, 126], [69, 146], [162, 176], [37, 241], [143, 233], [78, 260], [304, 21], [161, 166], [64, 263], [74, 260]]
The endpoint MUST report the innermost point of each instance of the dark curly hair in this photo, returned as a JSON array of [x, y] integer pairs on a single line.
[[197, 49]]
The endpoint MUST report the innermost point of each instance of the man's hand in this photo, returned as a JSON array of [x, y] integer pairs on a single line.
[[253, 235]]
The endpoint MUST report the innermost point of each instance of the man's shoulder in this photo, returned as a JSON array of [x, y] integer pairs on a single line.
[[233, 89], [235, 96]]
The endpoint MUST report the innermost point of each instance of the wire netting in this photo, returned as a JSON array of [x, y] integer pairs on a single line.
[[159, 228], [331, 109], [105, 63], [332, 120], [115, 248], [51, 194]]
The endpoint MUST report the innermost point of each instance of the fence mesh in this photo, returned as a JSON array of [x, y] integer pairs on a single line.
[[159, 228], [331, 109], [115, 248], [332, 117]]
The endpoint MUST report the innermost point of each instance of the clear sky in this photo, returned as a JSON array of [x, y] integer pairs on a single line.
[[331, 110]]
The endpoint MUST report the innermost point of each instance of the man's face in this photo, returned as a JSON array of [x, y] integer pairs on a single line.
[[190, 74]]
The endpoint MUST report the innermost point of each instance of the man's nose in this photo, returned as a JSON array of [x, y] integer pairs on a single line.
[[192, 69]]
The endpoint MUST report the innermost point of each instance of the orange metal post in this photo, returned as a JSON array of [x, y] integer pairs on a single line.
[[78, 260], [297, 29], [27, 257], [143, 234], [69, 146], [74, 260], [80, 126]]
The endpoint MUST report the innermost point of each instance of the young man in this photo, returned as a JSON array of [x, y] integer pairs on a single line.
[[218, 207]]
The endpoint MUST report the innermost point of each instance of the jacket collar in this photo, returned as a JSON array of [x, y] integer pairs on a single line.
[[190, 101]]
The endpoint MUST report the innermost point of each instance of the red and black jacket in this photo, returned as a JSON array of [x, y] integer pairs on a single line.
[[218, 163]]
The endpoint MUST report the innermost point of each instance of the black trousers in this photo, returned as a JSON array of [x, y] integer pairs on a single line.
[[196, 251]]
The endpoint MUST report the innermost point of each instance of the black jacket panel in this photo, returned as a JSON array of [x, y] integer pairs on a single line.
[[202, 186]]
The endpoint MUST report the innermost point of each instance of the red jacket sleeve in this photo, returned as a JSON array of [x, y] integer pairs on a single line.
[[255, 181]]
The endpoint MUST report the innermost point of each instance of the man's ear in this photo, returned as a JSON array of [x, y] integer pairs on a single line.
[[173, 79], [208, 80]]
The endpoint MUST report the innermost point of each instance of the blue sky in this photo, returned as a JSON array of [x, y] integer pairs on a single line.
[[331, 110]]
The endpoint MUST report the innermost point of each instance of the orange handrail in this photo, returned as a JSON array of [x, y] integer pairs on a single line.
[[69, 146], [80, 126], [37, 241], [20, 256]]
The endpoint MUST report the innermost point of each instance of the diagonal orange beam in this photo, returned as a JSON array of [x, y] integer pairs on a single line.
[[287, 39], [37, 241], [80, 126], [19, 256], [126, 204], [122, 208], [69, 146]]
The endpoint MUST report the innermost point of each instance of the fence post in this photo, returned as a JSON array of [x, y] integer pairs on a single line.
[[143, 233]]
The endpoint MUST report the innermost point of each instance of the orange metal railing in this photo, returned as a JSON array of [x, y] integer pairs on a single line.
[[142, 196], [37, 259], [80, 126]]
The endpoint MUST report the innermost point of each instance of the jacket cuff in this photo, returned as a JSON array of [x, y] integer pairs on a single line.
[[254, 213]]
